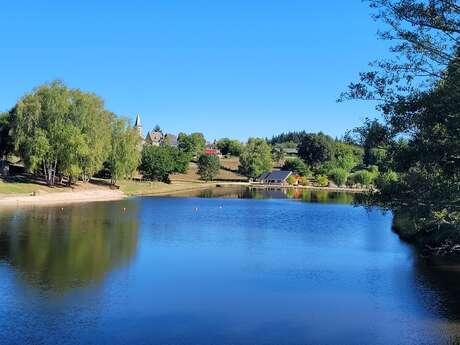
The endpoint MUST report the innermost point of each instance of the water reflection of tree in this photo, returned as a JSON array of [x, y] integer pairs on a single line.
[[61, 248], [441, 277], [319, 196]]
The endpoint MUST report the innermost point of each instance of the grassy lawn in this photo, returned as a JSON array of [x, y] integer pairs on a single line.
[[158, 188], [231, 163], [18, 187], [224, 175]]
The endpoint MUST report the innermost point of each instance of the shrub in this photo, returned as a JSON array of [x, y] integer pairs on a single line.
[[322, 180], [374, 169], [339, 176], [297, 166], [386, 180], [304, 181], [361, 177], [292, 180]]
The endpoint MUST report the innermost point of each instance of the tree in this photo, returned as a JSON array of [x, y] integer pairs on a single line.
[[124, 155], [158, 162], [426, 36], [208, 167], [192, 144], [256, 158], [418, 94], [6, 142], [229, 147], [40, 128], [372, 135], [316, 149], [277, 153], [61, 131], [296, 165], [289, 139], [339, 176], [347, 156]]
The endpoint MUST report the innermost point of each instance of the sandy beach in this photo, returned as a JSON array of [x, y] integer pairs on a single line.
[[44, 199]]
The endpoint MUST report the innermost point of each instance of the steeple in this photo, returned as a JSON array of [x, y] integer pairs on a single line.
[[138, 125], [138, 121]]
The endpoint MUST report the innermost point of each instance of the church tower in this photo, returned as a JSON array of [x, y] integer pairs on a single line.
[[138, 125]]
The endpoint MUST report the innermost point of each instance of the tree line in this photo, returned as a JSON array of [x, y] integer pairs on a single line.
[[67, 134], [417, 145]]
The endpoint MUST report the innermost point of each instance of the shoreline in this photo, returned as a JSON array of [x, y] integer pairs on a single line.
[[60, 198], [106, 194]]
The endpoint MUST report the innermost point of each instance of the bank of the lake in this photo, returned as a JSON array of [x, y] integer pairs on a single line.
[[17, 194]]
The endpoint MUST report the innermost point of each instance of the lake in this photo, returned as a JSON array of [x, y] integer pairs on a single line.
[[219, 267]]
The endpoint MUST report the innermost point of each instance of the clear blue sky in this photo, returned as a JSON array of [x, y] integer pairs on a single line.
[[234, 68]]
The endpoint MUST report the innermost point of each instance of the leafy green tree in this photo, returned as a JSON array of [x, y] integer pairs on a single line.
[[40, 128], [297, 166], [208, 167], [193, 144], [61, 131], [377, 156], [347, 156], [316, 149], [374, 137], [256, 158], [277, 153], [417, 91], [6, 142], [124, 154], [229, 147], [159, 162]]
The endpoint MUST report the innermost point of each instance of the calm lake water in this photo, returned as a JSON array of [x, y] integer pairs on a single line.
[[222, 267]]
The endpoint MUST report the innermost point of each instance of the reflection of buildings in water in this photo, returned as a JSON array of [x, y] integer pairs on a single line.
[[60, 248]]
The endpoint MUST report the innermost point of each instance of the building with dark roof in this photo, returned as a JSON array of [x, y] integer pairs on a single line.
[[275, 177]]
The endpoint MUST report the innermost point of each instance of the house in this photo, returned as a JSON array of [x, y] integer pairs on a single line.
[[170, 139], [290, 151], [275, 178], [209, 151], [154, 138]]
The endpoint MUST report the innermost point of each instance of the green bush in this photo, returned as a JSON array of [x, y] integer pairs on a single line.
[[322, 180], [296, 165], [387, 179], [292, 180], [304, 181], [374, 169], [361, 177], [338, 176]]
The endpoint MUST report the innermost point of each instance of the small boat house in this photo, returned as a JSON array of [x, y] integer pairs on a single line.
[[278, 178]]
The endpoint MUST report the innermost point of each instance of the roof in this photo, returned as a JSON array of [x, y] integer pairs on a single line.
[[170, 139], [154, 137], [138, 121], [276, 175], [290, 150], [212, 151]]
